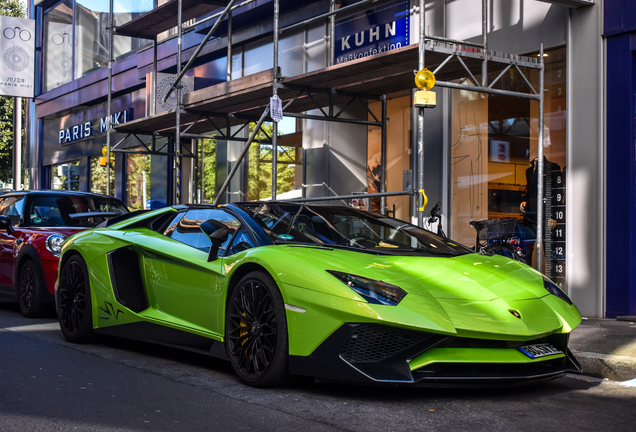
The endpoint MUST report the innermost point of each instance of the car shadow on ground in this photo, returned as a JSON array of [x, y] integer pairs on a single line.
[[361, 392], [9, 305]]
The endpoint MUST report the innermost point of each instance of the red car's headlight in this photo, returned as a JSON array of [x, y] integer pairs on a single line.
[[54, 244]]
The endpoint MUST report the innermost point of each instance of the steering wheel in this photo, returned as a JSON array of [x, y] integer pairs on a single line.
[[41, 215], [351, 239]]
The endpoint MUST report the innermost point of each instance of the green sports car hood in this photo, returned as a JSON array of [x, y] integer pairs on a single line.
[[466, 293]]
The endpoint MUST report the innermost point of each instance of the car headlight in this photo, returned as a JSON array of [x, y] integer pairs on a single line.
[[373, 291], [54, 244], [555, 290]]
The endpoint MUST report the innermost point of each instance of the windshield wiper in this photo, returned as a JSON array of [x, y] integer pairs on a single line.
[[436, 251], [360, 249]]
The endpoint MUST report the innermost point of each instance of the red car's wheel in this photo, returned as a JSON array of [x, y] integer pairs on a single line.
[[256, 331], [74, 301], [30, 291]]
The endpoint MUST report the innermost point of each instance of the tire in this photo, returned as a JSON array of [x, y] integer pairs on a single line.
[[504, 249], [256, 331], [73, 300], [31, 291]]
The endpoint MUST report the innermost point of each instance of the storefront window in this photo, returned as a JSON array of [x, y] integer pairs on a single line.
[[98, 177], [65, 176], [289, 166], [137, 181], [398, 161], [76, 44], [207, 176], [58, 46], [494, 152]]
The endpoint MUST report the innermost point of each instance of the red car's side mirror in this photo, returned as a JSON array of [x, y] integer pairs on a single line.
[[5, 223]]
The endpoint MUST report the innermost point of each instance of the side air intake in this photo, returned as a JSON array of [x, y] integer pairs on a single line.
[[125, 275]]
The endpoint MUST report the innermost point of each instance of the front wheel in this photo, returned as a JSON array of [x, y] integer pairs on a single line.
[[31, 291], [74, 301], [504, 249], [256, 331]]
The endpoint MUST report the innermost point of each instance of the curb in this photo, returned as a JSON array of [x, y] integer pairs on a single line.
[[614, 367]]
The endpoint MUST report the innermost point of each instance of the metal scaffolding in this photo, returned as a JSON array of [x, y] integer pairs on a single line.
[[243, 100]]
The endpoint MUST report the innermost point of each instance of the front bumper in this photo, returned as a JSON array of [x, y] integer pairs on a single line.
[[378, 354]]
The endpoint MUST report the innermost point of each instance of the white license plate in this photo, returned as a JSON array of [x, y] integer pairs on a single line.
[[539, 350]]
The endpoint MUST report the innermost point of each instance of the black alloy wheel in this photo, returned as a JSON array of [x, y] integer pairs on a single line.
[[30, 292], [256, 331], [74, 301]]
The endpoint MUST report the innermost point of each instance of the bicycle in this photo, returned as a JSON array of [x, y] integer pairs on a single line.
[[497, 236], [435, 217]]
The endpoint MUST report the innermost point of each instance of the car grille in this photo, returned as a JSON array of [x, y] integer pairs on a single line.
[[372, 343]]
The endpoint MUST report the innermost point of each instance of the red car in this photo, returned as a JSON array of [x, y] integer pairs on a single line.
[[33, 225]]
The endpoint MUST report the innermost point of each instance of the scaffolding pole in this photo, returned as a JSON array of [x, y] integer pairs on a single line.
[[540, 168], [275, 94], [176, 173], [383, 157], [420, 116], [111, 32]]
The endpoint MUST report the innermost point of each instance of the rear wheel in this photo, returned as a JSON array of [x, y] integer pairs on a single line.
[[504, 249], [256, 331], [30, 291], [74, 301]]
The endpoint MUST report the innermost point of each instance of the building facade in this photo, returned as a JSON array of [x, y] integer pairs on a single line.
[[619, 33], [480, 150]]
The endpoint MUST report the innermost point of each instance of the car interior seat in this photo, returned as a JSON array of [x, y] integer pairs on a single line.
[[54, 217]]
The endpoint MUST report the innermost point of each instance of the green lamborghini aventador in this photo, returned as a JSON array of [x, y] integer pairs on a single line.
[[280, 288]]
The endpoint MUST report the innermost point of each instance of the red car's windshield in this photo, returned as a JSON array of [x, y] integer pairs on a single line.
[[66, 210]]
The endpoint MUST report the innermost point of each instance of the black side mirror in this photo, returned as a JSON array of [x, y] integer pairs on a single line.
[[5, 223], [218, 234]]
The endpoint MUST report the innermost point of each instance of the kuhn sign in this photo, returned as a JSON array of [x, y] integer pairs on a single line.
[[372, 32]]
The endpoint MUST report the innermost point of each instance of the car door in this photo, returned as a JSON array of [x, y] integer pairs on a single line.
[[183, 287], [10, 206]]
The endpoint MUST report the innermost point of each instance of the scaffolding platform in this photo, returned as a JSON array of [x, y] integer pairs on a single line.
[[165, 17], [365, 77]]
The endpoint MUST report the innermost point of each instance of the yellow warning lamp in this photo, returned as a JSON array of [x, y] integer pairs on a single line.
[[425, 80], [102, 160]]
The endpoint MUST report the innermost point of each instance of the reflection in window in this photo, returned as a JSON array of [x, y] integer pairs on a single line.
[[289, 167], [494, 151], [137, 181], [58, 45], [98, 177], [65, 176], [75, 45], [187, 229], [207, 176], [12, 207]]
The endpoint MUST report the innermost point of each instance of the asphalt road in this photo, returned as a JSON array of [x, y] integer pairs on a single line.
[[47, 384]]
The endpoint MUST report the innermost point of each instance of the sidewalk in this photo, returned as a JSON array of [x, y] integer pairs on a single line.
[[606, 348]]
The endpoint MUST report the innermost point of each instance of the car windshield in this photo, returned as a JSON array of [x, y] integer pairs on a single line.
[[69, 210], [348, 228]]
